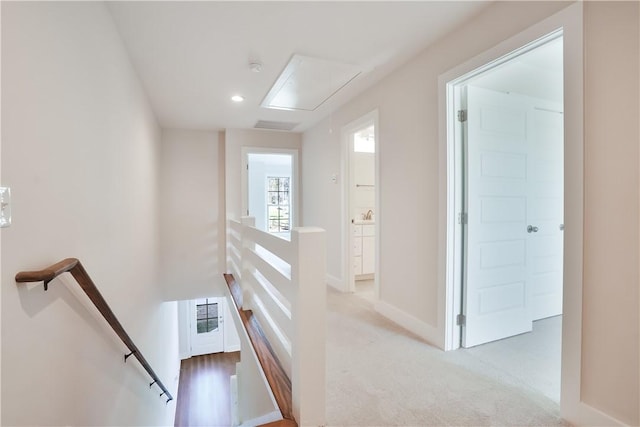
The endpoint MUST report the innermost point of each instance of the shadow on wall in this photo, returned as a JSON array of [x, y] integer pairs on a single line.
[[35, 302], [191, 267]]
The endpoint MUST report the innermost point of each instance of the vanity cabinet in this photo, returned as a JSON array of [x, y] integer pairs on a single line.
[[363, 249]]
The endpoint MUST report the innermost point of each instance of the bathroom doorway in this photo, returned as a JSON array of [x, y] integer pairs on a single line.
[[361, 191]]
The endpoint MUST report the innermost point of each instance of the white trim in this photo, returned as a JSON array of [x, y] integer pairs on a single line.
[[424, 330], [232, 349], [585, 415], [184, 328], [347, 130], [233, 390], [336, 283], [263, 419]]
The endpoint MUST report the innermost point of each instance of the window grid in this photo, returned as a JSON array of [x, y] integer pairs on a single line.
[[206, 317], [278, 205]]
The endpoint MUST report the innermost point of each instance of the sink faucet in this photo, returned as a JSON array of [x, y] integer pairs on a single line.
[[368, 216]]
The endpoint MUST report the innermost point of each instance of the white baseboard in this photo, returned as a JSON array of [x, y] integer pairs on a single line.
[[425, 331], [263, 419], [334, 282], [582, 414], [232, 348]]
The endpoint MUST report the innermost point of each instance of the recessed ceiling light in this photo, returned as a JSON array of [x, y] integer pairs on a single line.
[[237, 98]]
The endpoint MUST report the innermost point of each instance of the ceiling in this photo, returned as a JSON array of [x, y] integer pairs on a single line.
[[193, 56], [537, 73]]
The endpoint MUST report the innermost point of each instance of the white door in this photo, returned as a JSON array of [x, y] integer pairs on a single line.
[[496, 296], [514, 199], [545, 210], [207, 316]]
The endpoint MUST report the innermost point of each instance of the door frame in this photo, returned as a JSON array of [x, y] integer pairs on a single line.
[[456, 97], [346, 134], [571, 21], [295, 184]]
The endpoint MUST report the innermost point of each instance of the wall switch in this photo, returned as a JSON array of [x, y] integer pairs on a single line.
[[5, 207]]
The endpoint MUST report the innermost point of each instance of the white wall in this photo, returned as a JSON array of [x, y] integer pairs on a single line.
[[191, 215], [235, 140], [408, 105], [80, 151]]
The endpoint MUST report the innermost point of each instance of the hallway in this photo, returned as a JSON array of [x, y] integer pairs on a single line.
[[380, 374]]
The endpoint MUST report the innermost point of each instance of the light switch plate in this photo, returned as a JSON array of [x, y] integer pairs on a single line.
[[5, 207]]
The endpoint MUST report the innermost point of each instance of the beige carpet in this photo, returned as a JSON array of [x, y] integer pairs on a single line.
[[378, 374]]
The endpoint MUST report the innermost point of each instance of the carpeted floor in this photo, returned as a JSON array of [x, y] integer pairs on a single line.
[[378, 374]]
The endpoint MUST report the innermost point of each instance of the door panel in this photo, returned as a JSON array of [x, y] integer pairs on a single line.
[[496, 294], [545, 211], [514, 198]]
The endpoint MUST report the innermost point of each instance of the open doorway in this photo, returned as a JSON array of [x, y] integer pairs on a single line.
[[509, 144], [207, 334], [361, 203], [205, 327], [270, 189]]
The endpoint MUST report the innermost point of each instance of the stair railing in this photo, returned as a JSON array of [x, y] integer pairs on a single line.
[[278, 287], [73, 266]]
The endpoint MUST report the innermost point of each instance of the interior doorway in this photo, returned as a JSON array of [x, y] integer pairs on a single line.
[[509, 145], [361, 202], [270, 189]]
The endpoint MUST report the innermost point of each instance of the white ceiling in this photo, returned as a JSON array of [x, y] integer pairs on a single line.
[[193, 56], [537, 73]]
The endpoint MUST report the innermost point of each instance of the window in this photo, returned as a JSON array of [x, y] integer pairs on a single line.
[[278, 205], [364, 141], [206, 316]]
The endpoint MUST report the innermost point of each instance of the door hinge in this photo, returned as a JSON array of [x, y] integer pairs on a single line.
[[462, 115], [461, 320], [463, 218]]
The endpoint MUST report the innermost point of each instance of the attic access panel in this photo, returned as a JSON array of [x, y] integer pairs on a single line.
[[306, 83]]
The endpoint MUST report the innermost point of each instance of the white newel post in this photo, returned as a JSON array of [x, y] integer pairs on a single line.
[[247, 292], [309, 326]]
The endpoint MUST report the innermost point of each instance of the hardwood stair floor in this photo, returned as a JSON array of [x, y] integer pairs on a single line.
[[203, 392]]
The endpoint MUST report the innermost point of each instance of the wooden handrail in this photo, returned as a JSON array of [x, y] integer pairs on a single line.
[[274, 372], [73, 266]]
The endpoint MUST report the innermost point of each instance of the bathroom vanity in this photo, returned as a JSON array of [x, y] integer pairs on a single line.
[[363, 249]]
